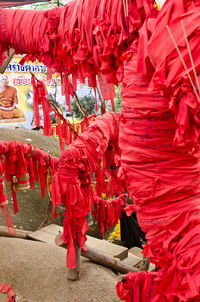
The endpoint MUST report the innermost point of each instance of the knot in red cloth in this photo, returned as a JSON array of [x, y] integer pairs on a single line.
[[132, 208]]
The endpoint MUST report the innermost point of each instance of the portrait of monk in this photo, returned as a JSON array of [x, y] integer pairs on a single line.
[[9, 101]]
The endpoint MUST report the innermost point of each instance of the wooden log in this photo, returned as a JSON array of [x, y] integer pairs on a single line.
[[144, 264], [73, 273], [100, 258], [19, 233], [107, 261]]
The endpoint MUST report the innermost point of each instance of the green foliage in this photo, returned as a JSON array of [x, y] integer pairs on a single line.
[[43, 5], [88, 102], [118, 99]]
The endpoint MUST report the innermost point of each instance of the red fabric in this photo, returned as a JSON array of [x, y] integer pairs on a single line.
[[36, 41], [160, 162], [108, 212], [72, 182], [160, 118], [21, 159], [138, 287], [100, 144], [66, 131], [80, 38], [69, 189], [6, 288], [4, 208], [40, 98], [8, 219], [107, 89], [67, 90]]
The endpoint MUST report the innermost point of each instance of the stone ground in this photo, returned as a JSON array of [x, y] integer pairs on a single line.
[[37, 272]]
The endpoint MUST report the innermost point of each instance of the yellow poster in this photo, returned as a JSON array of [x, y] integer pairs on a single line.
[[16, 107], [16, 97]]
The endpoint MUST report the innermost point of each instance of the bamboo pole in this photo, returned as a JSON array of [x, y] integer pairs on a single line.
[[124, 5], [190, 54], [183, 62]]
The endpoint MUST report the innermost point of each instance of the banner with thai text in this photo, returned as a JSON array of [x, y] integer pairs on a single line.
[[19, 112]]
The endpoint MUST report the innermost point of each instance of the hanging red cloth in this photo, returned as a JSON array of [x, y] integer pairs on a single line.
[[6, 288], [4, 207], [160, 163], [21, 159], [108, 212], [40, 98], [72, 183]]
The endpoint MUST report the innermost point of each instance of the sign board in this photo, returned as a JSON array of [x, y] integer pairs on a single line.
[[20, 78]]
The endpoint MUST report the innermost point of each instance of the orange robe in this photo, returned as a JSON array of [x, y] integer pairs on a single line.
[[8, 101]]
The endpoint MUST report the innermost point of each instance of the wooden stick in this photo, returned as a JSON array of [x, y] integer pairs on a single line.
[[7, 61], [121, 278], [190, 54], [124, 8], [19, 233], [56, 108], [82, 110], [49, 217], [127, 8], [73, 273], [183, 62], [100, 258], [102, 102]]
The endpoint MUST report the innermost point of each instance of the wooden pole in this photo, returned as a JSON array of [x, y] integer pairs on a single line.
[[100, 258], [190, 54], [103, 105], [73, 273], [49, 217]]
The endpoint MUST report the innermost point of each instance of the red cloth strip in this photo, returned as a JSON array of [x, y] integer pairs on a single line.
[[6, 288]]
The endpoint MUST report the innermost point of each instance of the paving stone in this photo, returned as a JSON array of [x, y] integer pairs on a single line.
[[131, 260], [104, 246], [48, 234], [136, 251]]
